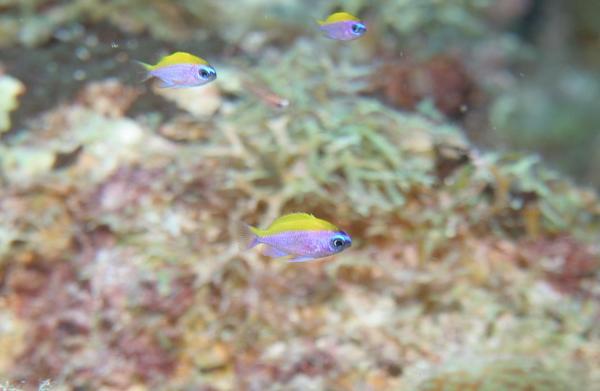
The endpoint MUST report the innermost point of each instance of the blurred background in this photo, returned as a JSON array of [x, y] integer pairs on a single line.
[[457, 142]]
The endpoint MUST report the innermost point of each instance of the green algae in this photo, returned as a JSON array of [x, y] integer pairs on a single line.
[[503, 374]]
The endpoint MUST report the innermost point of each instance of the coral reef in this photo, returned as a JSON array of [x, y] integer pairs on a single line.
[[119, 246]]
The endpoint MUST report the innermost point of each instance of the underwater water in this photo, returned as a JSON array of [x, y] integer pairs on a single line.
[[299, 195]]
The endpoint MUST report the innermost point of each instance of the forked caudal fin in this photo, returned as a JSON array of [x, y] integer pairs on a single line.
[[143, 73], [248, 237], [147, 67]]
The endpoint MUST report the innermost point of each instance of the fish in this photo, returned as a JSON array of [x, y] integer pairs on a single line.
[[266, 95], [181, 70], [342, 26], [299, 237]]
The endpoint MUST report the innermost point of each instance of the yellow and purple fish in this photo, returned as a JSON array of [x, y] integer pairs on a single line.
[[181, 70], [301, 237], [342, 26]]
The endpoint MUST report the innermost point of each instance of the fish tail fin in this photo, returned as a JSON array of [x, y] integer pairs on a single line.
[[143, 75], [249, 236], [147, 67]]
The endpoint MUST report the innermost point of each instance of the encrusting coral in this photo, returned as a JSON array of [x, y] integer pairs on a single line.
[[121, 251]]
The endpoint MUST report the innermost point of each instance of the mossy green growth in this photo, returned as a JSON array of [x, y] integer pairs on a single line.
[[505, 374], [332, 146], [443, 22]]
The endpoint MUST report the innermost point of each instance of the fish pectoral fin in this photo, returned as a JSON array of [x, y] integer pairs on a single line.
[[166, 84], [274, 252], [301, 259]]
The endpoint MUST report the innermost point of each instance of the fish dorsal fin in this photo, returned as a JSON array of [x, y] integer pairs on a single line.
[[299, 222], [180, 58], [294, 217], [340, 17]]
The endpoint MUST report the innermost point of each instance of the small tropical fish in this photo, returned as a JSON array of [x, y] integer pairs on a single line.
[[342, 26], [300, 236], [180, 70], [266, 95]]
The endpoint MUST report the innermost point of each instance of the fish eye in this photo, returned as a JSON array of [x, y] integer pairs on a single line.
[[337, 243], [358, 28], [207, 73]]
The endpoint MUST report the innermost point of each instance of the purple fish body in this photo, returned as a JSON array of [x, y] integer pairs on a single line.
[[344, 31], [184, 75], [181, 70], [300, 236], [306, 244]]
